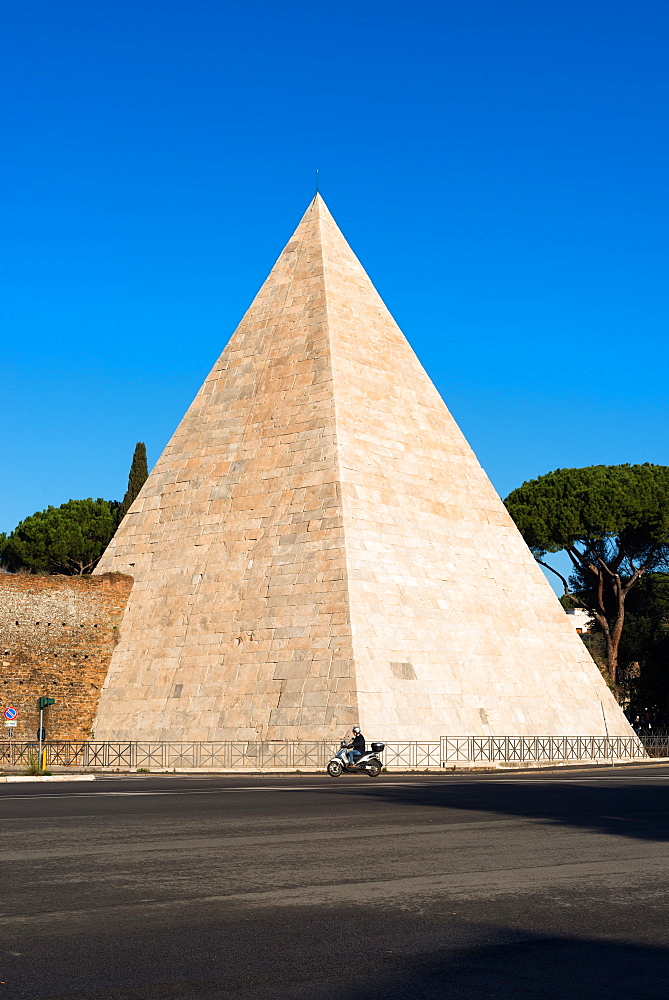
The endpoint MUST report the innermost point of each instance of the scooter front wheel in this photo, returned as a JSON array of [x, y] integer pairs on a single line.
[[334, 768]]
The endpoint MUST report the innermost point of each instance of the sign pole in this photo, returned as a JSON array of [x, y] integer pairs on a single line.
[[10, 714], [42, 703]]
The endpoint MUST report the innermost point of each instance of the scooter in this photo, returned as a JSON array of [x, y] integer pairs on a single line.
[[369, 763]]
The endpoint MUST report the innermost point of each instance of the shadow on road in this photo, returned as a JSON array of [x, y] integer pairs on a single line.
[[537, 969], [640, 811], [543, 968]]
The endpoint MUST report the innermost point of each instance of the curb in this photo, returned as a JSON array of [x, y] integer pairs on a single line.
[[49, 777]]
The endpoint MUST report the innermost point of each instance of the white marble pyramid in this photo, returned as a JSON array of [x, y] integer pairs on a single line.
[[318, 546]]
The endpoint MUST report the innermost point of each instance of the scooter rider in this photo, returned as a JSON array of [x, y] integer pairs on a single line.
[[356, 747]]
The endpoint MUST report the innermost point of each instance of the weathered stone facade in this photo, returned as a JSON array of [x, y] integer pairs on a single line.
[[57, 635], [318, 546]]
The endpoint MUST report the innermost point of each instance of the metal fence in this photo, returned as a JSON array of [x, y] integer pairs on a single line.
[[241, 755], [531, 749], [226, 755], [656, 746]]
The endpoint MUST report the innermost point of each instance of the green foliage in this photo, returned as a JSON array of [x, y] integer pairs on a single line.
[[644, 647], [591, 505], [71, 538], [139, 473], [68, 539], [32, 767], [613, 522]]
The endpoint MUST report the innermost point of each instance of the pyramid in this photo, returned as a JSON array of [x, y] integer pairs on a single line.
[[318, 546]]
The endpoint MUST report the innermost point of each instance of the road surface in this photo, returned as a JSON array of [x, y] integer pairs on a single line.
[[425, 886]]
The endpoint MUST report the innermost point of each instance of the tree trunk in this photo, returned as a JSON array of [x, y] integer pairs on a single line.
[[605, 578], [612, 626], [612, 663], [613, 640]]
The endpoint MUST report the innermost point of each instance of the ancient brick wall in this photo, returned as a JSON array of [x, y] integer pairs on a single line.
[[57, 634]]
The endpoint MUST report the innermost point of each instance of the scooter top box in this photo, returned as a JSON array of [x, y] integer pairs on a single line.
[[378, 747]]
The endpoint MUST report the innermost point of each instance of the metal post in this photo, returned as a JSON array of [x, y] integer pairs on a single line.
[[606, 730], [41, 720]]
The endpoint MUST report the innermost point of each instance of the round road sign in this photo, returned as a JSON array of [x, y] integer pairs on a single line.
[[10, 713]]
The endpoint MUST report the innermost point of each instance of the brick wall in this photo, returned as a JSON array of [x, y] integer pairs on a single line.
[[57, 634]]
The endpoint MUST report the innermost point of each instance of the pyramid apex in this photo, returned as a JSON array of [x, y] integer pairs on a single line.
[[317, 212], [317, 203]]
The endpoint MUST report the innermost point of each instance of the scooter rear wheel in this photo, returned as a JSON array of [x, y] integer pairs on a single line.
[[374, 769], [334, 768]]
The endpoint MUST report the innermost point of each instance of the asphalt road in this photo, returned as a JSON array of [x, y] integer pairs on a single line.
[[187, 888]]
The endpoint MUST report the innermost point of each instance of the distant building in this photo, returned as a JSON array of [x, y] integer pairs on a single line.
[[580, 619]]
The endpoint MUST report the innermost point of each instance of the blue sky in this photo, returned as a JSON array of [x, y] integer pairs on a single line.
[[499, 168]]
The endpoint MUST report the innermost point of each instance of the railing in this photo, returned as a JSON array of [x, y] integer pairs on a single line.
[[274, 755], [225, 755], [531, 749], [656, 746], [412, 754]]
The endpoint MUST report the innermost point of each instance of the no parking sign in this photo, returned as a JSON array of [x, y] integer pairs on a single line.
[[10, 712]]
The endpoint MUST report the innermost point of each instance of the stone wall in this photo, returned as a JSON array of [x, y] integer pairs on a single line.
[[57, 634]]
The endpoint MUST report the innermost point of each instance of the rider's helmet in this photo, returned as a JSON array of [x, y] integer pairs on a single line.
[[356, 729]]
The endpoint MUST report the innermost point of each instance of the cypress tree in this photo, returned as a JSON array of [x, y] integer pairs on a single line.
[[139, 473]]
